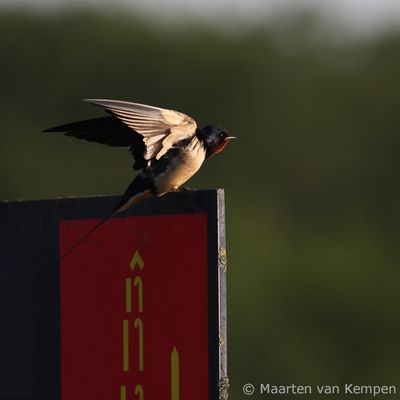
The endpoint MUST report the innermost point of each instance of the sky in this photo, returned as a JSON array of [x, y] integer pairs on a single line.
[[360, 15]]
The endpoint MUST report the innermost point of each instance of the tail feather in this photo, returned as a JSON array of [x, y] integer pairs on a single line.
[[85, 236], [140, 189]]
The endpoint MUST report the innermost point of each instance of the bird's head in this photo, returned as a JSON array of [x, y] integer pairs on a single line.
[[216, 138]]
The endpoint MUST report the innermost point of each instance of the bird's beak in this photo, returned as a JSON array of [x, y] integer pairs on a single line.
[[230, 137]]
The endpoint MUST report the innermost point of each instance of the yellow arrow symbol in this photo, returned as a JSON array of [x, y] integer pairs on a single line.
[[139, 284], [138, 324], [125, 345], [123, 392], [139, 391], [175, 374], [136, 260]]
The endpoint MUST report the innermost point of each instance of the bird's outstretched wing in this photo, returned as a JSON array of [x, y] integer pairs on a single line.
[[107, 130], [160, 128], [148, 131]]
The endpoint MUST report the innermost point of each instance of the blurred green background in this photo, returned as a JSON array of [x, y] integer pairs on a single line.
[[312, 191]]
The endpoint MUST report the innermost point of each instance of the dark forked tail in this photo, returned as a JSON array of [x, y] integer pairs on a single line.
[[140, 189], [85, 236]]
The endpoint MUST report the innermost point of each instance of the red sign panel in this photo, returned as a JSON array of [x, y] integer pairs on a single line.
[[134, 309]]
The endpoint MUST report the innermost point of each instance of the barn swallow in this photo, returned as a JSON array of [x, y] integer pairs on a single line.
[[167, 146]]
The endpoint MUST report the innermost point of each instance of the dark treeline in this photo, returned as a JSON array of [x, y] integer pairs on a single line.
[[312, 183]]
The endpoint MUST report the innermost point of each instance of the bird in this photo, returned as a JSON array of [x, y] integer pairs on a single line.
[[167, 146]]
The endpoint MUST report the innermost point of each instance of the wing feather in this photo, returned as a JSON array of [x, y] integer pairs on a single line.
[[160, 128], [107, 130]]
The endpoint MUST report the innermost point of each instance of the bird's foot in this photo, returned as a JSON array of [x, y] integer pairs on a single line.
[[182, 189]]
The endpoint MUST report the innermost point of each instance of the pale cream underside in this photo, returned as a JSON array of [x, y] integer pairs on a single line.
[[182, 169]]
